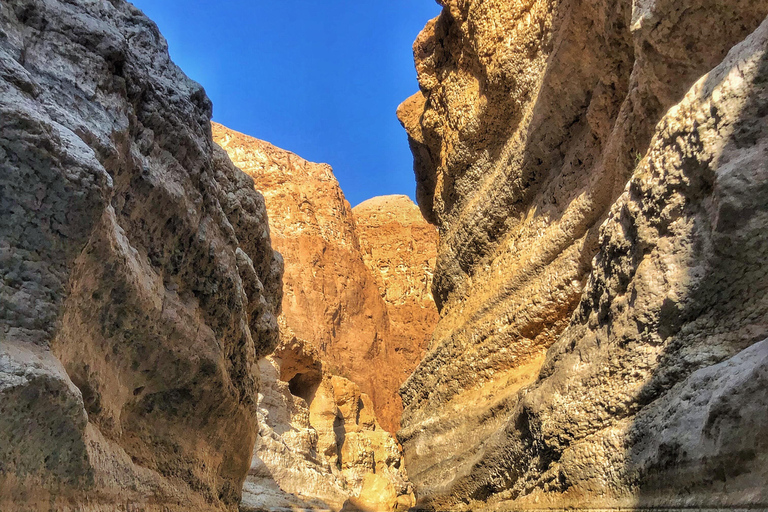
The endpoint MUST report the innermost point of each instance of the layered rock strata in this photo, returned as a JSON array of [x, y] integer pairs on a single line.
[[357, 284], [536, 125], [139, 287]]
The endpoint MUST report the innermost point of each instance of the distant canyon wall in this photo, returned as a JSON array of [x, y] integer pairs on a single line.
[[138, 287], [320, 445], [357, 314], [597, 173], [357, 283], [400, 249]]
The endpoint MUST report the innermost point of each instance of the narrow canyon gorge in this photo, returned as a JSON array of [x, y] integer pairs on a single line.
[[574, 316], [357, 312]]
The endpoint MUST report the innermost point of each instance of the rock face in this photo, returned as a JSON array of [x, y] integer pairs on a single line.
[[400, 248], [320, 446], [572, 225], [368, 325], [358, 305], [138, 283]]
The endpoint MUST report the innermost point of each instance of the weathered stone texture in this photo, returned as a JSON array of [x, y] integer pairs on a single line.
[[356, 317], [138, 285], [320, 446], [330, 297], [369, 326], [400, 247], [536, 125]]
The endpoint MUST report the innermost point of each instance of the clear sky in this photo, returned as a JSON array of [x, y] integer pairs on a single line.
[[320, 78]]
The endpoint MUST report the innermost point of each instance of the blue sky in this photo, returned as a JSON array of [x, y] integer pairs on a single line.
[[321, 79]]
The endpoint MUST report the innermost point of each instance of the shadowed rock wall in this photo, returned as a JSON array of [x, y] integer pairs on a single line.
[[138, 283], [536, 124]]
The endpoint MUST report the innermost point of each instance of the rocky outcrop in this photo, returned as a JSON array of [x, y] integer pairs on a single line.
[[138, 283], [367, 325], [330, 297], [400, 247], [536, 125], [356, 317], [320, 446]]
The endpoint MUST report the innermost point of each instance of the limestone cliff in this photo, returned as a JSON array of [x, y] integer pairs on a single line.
[[138, 286], [400, 248], [536, 124], [367, 326]]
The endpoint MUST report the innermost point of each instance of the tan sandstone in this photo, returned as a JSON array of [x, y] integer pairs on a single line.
[[535, 125], [320, 446], [400, 248], [369, 326], [357, 314], [138, 287]]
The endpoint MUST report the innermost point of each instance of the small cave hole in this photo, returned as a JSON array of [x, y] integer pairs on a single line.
[[304, 385]]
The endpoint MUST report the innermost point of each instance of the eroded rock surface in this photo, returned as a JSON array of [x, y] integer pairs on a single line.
[[139, 287], [356, 317], [400, 248], [357, 284], [320, 446], [330, 297], [536, 124]]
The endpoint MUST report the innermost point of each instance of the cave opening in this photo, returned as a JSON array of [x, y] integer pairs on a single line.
[[304, 385]]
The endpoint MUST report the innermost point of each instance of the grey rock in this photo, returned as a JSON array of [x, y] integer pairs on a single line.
[[137, 282]]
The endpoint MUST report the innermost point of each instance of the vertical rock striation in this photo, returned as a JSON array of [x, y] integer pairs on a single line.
[[138, 288], [536, 124]]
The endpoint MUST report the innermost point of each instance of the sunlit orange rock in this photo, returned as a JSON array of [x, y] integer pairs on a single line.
[[357, 315]]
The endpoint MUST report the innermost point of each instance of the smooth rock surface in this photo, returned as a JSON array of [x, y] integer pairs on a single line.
[[137, 281], [532, 119]]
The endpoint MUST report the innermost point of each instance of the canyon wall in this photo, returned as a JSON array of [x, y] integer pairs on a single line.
[[357, 313], [400, 248], [368, 326], [597, 173], [320, 446], [139, 287]]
